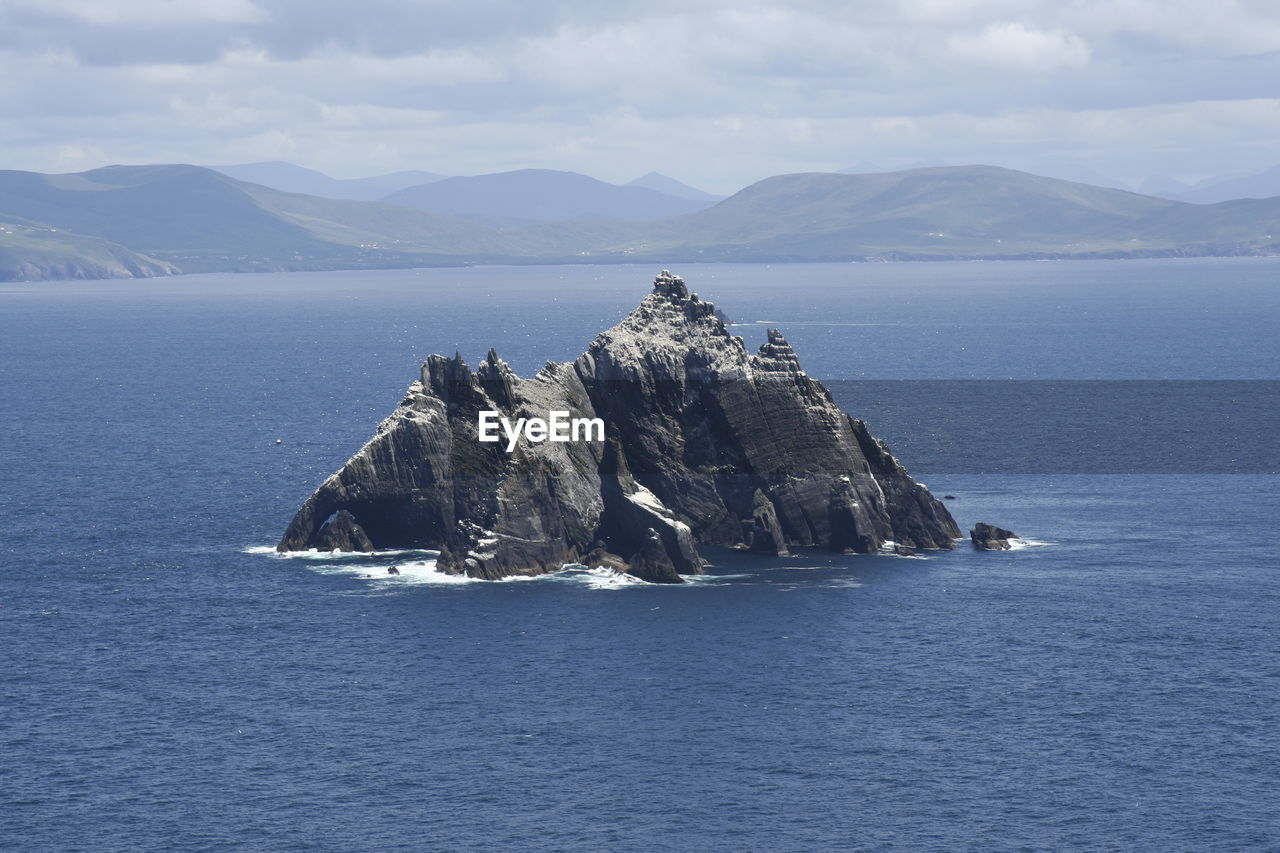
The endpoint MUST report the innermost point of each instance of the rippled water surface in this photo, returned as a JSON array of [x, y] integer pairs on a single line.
[[169, 683]]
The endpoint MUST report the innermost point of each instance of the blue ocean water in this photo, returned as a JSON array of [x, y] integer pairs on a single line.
[[168, 686]]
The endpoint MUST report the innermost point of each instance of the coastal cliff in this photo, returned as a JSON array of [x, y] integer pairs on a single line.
[[704, 444]]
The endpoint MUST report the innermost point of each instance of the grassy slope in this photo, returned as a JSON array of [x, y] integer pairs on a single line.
[[1245, 220], [33, 253]]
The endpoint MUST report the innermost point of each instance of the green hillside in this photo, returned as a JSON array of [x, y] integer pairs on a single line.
[[1248, 221], [969, 211], [35, 253], [180, 213]]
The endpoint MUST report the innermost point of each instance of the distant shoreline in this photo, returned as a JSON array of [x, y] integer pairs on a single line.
[[890, 258]]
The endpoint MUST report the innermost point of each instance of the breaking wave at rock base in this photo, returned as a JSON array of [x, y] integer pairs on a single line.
[[418, 568]]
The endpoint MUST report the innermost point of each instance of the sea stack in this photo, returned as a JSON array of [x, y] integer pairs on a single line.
[[702, 443]]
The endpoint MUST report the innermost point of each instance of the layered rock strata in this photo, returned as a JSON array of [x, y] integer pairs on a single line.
[[705, 444]]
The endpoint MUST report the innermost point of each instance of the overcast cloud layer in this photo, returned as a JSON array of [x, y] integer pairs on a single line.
[[716, 94]]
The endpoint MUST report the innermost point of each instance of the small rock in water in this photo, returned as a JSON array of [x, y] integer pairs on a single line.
[[599, 558], [343, 533], [948, 497], [988, 537]]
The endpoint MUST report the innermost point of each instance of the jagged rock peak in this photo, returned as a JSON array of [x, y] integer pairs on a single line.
[[448, 378], [777, 355], [493, 368], [496, 378], [669, 287], [669, 284]]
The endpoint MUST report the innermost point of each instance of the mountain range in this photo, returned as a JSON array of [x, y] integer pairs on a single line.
[[542, 195], [162, 219], [1224, 188], [297, 179], [670, 186], [525, 194]]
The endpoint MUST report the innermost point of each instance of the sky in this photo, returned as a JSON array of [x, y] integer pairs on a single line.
[[714, 94]]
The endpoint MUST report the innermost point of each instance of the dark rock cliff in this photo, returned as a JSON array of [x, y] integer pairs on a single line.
[[705, 444]]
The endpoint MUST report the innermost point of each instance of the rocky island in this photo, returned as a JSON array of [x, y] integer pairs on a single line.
[[702, 443]]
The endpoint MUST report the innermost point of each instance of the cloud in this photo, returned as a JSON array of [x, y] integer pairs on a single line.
[[149, 13], [715, 91], [1223, 28], [956, 12], [1017, 47]]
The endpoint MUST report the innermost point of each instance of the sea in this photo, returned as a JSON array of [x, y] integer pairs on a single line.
[[169, 683]]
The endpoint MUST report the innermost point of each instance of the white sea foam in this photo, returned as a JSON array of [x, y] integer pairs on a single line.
[[602, 578], [418, 568], [423, 572], [843, 583], [415, 567], [1019, 544], [316, 554], [788, 323], [712, 580], [412, 573], [889, 549]]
